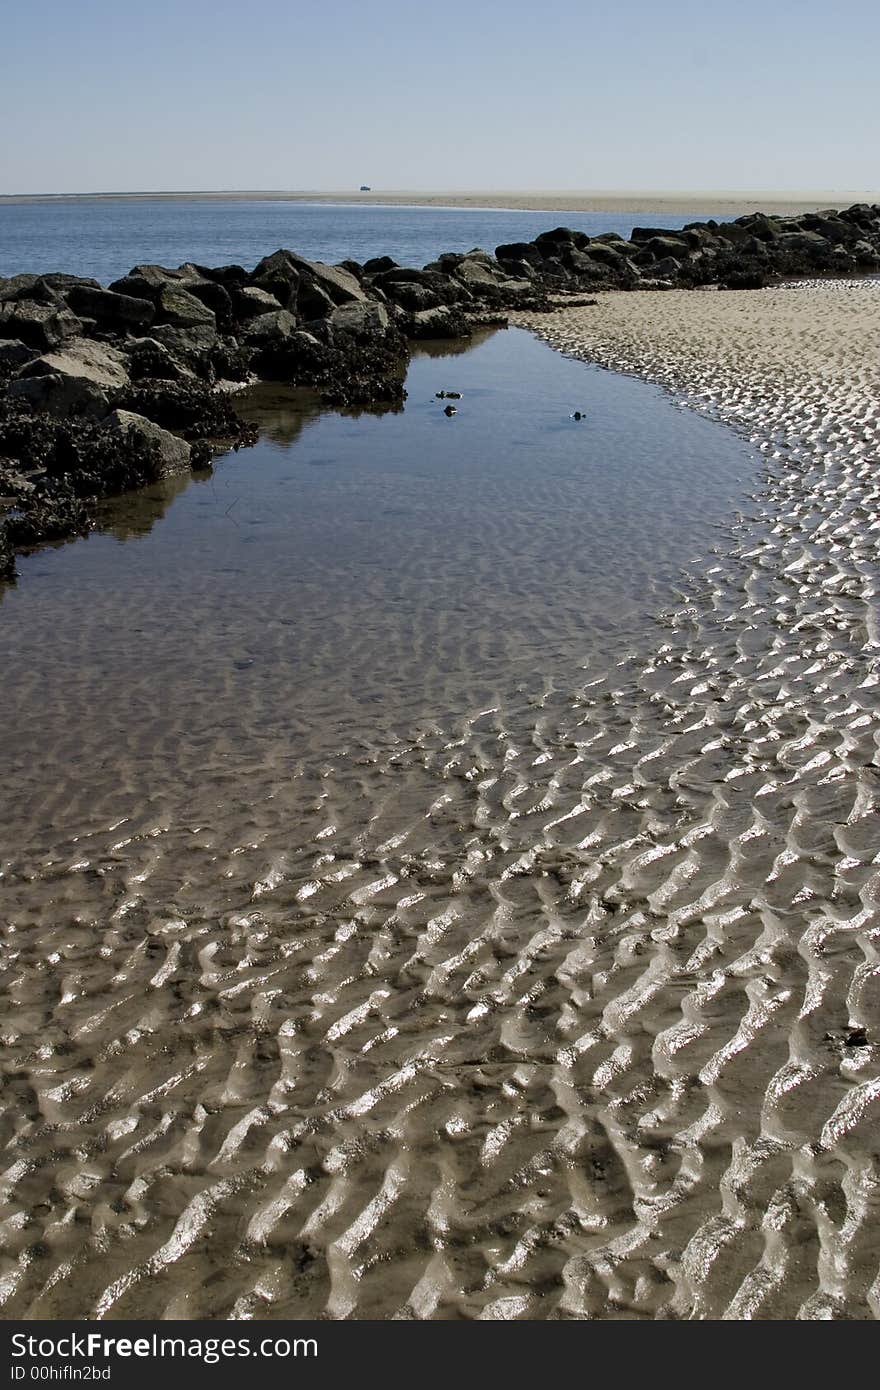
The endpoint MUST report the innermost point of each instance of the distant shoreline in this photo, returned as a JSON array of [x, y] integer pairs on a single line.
[[725, 201]]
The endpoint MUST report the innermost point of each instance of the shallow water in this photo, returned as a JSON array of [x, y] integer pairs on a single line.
[[308, 803], [105, 239], [357, 573]]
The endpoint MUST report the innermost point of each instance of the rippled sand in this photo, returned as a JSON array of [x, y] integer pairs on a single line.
[[547, 1010]]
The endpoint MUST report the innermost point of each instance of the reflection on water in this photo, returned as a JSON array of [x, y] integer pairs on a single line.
[[406, 563]]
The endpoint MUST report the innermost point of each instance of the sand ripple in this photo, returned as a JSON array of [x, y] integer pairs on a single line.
[[546, 1011]]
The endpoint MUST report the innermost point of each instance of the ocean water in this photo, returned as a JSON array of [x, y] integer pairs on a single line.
[[105, 239]]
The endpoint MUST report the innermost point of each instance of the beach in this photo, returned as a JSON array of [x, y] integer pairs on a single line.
[[554, 999], [725, 202]]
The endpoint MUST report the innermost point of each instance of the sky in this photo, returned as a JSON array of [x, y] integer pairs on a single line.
[[768, 95]]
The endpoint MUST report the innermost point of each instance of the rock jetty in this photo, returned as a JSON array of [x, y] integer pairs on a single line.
[[107, 388]]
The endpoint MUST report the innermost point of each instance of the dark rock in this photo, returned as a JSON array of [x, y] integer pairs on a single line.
[[561, 236], [360, 320], [190, 346], [78, 379], [442, 322], [216, 298], [148, 359], [38, 325], [278, 275], [228, 275], [177, 307], [59, 395], [14, 354], [379, 263], [171, 453], [249, 300], [122, 312], [269, 329]]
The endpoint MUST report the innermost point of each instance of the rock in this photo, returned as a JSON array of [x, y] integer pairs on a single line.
[[14, 354], [519, 251], [667, 269], [172, 454], [149, 359], [14, 287], [864, 254], [249, 300], [442, 322], [110, 310], [61, 396], [48, 288], [561, 236], [148, 281], [215, 297], [338, 284], [83, 359], [379, 263], [658, 248], [278, 276], [269, 329], [477, 273], [79, 379], [189, 346], [38, 325], [360, 320], [177, 307], [313, 302], [228, 275], [449, 410]]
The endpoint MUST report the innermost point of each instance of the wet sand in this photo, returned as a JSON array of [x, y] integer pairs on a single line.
[[726, 203], [545, 1009]]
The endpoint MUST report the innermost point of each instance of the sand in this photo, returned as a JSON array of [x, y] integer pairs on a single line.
[[725, 203], [548, 1010]]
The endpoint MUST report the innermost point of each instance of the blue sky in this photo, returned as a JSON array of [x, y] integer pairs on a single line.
[[623, 94]]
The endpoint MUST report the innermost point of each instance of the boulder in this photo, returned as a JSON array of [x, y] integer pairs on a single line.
[[122, 312], [312, 287], [550, 242], [517, 252], [313, 302], [213, 296], [268, 330], [477, 272], [61, 396], [442, 322], [657, 248], [249, 300], [14, 354], [360, 320], [189, 346], [177, 307], [864, 254], [38, 325], [172, 454], [228, 275], [78, 379], [149, 359], [379, 263], [279, 276], [339, 284], [48, 288], [84, 359]]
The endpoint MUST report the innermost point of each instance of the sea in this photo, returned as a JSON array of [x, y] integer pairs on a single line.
[[104, 239]]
